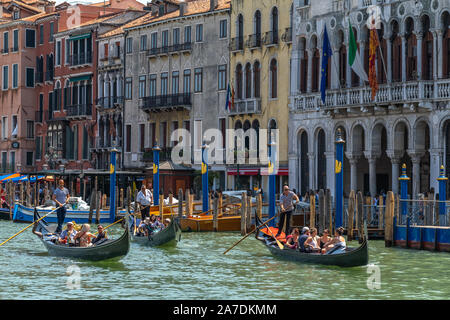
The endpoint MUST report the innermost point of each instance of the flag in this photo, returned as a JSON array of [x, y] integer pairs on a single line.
[[232, 97], [228, 103], [374, 43], [326, 54], [354, 59]]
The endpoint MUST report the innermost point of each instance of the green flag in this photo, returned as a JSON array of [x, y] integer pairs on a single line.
[[354, 59]]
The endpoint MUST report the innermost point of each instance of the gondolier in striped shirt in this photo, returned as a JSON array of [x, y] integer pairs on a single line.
[[61, 197], [287, 206], [145, 199]]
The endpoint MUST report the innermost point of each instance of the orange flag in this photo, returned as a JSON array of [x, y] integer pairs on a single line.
[[374, 44]]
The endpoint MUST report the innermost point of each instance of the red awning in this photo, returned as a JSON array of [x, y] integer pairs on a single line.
[[243, 172], [281, 171]]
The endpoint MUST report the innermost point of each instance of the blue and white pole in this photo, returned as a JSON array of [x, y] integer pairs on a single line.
[[339, 172], [156, 151], [272, 182], [112, 185], [205, 189], [404, 179], [442, 196]]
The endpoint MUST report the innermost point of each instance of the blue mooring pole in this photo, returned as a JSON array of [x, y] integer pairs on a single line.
[[205, 189], [442, 196], [112, 185], [272, 182], [404, 179], [339, 172], [156, 151]]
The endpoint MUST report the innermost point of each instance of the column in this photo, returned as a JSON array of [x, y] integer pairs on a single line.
[[372, 159], [319, 78], [436, 159], [404, 55], [295, 62], [415, 159], [309, 78], [293, 176], [439, 53], [389, 59], [312, 176], [419, 36], [335, 81], [353, 160], [105, 93], [330, 155], [395, 174], [348, 71], [435, 56], [362, 47]]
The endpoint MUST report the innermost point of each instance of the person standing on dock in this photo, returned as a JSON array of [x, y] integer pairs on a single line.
[[144, 198], [61, 197], [287, 206]]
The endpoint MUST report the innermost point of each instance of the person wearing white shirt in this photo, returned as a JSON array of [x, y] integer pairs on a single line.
[[145, 199]]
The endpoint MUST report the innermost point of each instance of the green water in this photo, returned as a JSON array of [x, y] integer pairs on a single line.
[[197, 269]]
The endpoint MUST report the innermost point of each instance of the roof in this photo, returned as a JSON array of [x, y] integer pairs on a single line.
[[121, 29], [95, 20], [25, 6], [38, 16], [191, 8]]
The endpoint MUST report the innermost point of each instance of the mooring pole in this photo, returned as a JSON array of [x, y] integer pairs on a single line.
[[112, 186], [205, 197], [156, 151], [442, 196], [272, 183], [339, 172], [404, 179]]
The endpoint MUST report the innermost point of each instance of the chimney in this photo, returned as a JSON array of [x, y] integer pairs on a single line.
[[213, 5], [182, 8]]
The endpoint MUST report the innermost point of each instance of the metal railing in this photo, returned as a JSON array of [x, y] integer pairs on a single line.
[[39, 77], [237, 44], [49, 75], [424, 213], [109, 102], [80, 58], [79, 110], [181, 47], [287, 35], [171, 100], [271, 38], [254, 41]]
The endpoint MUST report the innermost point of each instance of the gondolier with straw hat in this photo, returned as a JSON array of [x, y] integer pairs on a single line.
[[287, 206], [144, 198]]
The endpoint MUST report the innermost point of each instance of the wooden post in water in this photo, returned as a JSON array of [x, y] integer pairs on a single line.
[[330, 211], [21, 192], [97, 207], [92, 205], [104, 202], [380, 212], [220, 204], [129, 200], [187, 199], [312, 211], [180, 203], [35, 194], [321, 211], [84, 188], [161, 207], [389, 220], [351, 213], [248, 221], [259, 206], [215, 215], [121, 203], [428, 208], [360, 220], [243, 212], [116, 209], [191, 203], [12, 196]]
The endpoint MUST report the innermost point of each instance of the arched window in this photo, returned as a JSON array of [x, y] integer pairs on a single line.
[[396, 52], [248, 81], [274, 25], [57, 96], [411, 50], [342, 60], [273, 79], [240, 32], [239, 81], [381, 71], [272, 126], [354, 77], [427, 50], [257, 28], [315, 65], [256, 80], [445, 23]]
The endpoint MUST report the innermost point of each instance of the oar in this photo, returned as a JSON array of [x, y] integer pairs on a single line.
[[278, 242], [110, 225], [246, 236], [28, 227]]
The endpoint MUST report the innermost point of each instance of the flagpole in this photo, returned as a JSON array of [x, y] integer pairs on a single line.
[[382, 56]]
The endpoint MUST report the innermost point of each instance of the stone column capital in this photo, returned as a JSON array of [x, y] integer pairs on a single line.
[[311, 155], [371, 155], [329, 154], [395, 155], [353, 156], [415, 155]]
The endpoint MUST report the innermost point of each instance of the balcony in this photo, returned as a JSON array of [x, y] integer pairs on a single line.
[[164, 155], [111, 62], [271, 39], [254, 41], [79, 111], [15, 49], [80, 59], [166, 50], [359, 98], [247, 106], [237, 44], [170, 102], [5, 50], [108, 144], [109, 102], [287, 35]]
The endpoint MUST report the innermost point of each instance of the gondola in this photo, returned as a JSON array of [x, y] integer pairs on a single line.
[[351, 258], [109, 249], [169, 235], [4, 214]]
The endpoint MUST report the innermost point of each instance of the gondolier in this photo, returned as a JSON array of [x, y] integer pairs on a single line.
[[145, 199], [61, 197], [287, 206]]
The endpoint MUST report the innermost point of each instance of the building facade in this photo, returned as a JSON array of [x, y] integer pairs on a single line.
[[408, 122], [260, 52]]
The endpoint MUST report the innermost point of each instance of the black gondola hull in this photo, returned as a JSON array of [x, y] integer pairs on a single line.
[[168, 236]]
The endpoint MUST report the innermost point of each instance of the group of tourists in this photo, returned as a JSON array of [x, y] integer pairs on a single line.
[[308, 241], [151, 225]]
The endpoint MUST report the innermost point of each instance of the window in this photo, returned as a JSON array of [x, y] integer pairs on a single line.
[[198, 80], [5, 77], [141, 137], [29, 158], [187, 81], [52, 31], [58, 53], [163, 133], [256, 80], [30, 129], [176, 36], [16, 15], [15, 76], [15, 40], [199, 33], [273, 79], [164, 79], [154, 42], [175, 82], [38, 148], [12, 160], [129, 45], [141, 86], [30, 38], [41, 34], [222, 78], [128, 132], [248, 81], [29, 80], [238, 79], [144, 42], [67, 51], [128, 88], [85, 152], [152, 86], [187, 34], [165, 38], [40, 117], [223, 29], [4, 127], [14, 129], [5, 42]]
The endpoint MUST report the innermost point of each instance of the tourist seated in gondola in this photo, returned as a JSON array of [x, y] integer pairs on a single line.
[[142, 229], [166, 222], [292, 239], [101, 236], [83, 238], [337, 244], [325, 238], [159, 225], [312, 243], [302, 239], [67, 236]]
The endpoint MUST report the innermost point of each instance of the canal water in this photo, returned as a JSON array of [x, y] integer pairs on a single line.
[[197, 269]]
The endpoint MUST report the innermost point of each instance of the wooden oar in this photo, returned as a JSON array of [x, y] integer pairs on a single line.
[[278, 242], [28, 227], [110, 225], [249, 234]]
